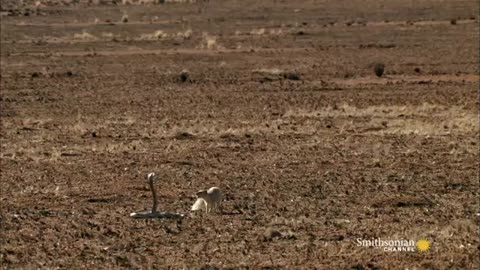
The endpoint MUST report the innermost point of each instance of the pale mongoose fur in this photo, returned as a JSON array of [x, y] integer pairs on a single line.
[[208, 200]]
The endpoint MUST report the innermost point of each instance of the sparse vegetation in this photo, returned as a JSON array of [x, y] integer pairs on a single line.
[[379, 69], [124, 18], [84, 36], [294, 76], [159, 34], [185, 76], [309, 147], [258, 32], [274, 74], [209, 42], [187, 34]]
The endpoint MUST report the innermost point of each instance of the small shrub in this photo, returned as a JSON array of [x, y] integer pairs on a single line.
[[210, 42], [379, 69], [292, 76], [84, 36], [125, 18], [184, 76]]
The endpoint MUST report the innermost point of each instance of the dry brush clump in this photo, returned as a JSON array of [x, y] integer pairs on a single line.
[[258, 32], [274, 74], [262, 32], [154, 2], [109, 36], [160, 34], [379, 69], [187, 34], [184, 76], [209, 42], [272, 71], [408, 119], [85, 36], [141, 2], [246, 130], [124, 18], [275, 32]]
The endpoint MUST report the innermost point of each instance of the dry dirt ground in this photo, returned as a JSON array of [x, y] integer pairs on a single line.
[[280, 108]]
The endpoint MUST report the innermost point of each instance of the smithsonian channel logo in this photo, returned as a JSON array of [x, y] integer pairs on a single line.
[[401, 245]]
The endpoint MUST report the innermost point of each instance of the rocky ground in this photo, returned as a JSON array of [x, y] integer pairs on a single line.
[[276, 102]]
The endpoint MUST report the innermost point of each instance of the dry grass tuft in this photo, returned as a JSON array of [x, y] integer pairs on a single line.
[[268, 71], [258, 32], [184, 76], [84, 36], [402, 119], [159, 34], [209, 42], [276, 32], [274, 74], [154, 2], [379, 69], [124, 18], [109, 36], [262, 31], [187, 34]]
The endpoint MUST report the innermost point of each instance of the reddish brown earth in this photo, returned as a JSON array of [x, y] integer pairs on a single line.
[[282, 110]]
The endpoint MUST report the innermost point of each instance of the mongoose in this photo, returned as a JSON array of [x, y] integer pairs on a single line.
[[208, 199]]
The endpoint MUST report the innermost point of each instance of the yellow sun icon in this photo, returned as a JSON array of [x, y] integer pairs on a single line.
[[423, 245]]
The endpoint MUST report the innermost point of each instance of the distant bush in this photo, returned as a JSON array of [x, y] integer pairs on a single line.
[[379, 69]]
